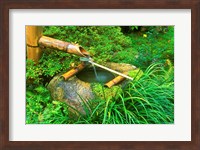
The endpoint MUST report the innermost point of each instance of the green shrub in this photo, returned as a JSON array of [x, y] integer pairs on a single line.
[[155, 47], [41, 109], [101, 41]]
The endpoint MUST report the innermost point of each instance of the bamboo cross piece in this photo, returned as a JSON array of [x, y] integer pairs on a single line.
[[73, 71], [113, 71]]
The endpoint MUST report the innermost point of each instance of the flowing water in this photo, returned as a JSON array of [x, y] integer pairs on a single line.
[[94, 74], [95, 71]]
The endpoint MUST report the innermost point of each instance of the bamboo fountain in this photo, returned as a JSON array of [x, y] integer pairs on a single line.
[[35, 42]]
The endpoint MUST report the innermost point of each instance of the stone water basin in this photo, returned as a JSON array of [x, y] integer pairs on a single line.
[[84, 86]]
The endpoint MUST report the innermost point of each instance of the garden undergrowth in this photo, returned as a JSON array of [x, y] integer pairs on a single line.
[[149, 100]]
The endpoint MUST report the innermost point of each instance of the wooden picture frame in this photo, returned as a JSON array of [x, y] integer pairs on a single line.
[[5, 6]]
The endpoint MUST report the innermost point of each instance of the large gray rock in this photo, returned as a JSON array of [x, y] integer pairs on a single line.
[[77, 93]]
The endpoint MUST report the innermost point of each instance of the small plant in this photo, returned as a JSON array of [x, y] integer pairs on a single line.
[[41, 109]]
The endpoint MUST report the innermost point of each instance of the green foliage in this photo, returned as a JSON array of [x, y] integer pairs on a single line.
[[155, 47], [36, 99], [40, 109], [151, 98], [135, 74], [33, 73], [134, 28], [129, 29], [126, 56], [53, 62], [107, 93], [101, 41], [147, 99]]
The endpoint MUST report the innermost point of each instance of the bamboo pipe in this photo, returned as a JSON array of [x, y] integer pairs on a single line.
[[113, 71], [63, 46], [73, 71], [115, 81]]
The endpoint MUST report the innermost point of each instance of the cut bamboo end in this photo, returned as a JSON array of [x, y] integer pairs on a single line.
[[33, 33], [73, 71], [115, 81]]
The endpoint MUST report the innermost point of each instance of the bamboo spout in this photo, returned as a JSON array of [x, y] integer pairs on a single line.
[[63, 46]]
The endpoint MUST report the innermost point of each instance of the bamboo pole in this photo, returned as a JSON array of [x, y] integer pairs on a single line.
[[73, 71], [115, 81], [63, 46], [33, 34]]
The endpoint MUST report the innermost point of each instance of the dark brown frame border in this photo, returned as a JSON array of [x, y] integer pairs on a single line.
[[5, 5]]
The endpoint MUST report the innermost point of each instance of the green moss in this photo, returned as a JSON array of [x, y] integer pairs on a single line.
[[106, 93], [135, 74]]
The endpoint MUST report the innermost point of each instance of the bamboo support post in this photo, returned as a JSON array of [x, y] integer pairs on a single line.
[[73, 71], [115, 81], [63, 46], [33, 33]]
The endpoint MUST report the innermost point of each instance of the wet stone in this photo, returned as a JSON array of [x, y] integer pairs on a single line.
[[76, 92]]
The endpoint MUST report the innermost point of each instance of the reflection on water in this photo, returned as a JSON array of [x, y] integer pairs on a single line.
[[95, 75]]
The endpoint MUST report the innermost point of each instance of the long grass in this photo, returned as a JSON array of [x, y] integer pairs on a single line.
[[149, 100]]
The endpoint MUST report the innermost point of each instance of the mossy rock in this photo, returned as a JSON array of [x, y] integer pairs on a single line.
[[105, 93], [73, 91], [77, 93], [135, 74]]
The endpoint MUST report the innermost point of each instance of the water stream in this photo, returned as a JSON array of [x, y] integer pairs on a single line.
[[95, 72]]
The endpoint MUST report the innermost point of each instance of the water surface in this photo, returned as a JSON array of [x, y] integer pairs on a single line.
[[89, 75]]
